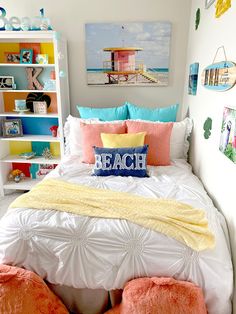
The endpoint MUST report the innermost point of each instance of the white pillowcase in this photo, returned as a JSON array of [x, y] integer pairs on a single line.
[[73, 141], [179, 144], [72, 132]]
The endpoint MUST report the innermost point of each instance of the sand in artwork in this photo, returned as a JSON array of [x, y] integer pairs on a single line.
[[101, 78]]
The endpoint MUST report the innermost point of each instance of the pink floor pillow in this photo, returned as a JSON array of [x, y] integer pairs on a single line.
[[160, 296], [23, 292]]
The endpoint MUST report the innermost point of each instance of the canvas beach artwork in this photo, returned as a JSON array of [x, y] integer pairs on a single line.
[[128, 54], [228, 134], [193, 78]]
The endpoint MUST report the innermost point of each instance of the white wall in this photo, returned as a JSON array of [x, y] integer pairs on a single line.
[[70, 16], [216, 171]]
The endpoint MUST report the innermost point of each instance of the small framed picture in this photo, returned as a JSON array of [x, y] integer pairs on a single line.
[[7, 82], [12, 128], [208, 3], [42, 59], [12, 57], [40, 107], [26, 56]]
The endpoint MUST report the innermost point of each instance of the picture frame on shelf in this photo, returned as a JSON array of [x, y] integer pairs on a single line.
[[12, 57], [208, 3], [41, 59], [7, 82], [40, 107], [26, 56], [12, 128]]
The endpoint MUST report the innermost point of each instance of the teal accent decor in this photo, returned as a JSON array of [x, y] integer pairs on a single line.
[[104, 114], [34, 168], [165, 114], [39, 147], [207, 128]]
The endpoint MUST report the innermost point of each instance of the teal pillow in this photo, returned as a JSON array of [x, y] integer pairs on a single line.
[[104, 114], [165, 114]]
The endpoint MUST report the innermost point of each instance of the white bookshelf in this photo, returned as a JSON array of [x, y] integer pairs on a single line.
[[7, 157]]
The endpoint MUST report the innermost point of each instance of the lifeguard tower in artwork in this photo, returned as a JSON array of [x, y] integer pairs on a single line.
[[123, 66]]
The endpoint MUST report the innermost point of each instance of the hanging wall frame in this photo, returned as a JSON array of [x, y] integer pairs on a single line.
[[219, 76], [228, 134]]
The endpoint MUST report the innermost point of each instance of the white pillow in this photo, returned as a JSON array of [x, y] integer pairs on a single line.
[[73, 143], [73, 138], [179, 144]]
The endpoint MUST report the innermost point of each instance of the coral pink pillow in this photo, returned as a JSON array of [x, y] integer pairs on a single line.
[[91, 136], [158, 139]]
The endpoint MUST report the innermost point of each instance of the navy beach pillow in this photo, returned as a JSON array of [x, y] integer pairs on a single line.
[[127, 161]]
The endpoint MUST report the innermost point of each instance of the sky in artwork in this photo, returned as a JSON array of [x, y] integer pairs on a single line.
[[153, 37]]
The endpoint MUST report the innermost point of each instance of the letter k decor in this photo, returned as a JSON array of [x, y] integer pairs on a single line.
[[32, 74]]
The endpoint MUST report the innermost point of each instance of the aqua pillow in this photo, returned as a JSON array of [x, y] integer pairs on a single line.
[[104, 114], [125, 161], [164, 114]]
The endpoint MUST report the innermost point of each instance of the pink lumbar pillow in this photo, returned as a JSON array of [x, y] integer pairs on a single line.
[[157, 138], [91, 136]]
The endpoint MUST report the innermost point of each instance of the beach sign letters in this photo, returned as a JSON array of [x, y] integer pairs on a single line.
[[15, 23]]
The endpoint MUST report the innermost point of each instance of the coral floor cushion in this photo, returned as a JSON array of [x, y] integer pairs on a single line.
[[160, 296], [23, 292]]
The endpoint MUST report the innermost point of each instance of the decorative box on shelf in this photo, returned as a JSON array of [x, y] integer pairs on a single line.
[[34, 103]]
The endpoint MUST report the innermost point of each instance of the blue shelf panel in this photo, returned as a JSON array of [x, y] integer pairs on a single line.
[[37, 126]]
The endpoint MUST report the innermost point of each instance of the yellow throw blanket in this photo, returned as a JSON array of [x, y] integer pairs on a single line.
[[177, 220]]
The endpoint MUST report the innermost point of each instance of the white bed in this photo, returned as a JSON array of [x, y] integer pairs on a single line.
[[83, 252]]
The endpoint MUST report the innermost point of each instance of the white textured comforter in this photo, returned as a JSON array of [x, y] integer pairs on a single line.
[[87, 252]]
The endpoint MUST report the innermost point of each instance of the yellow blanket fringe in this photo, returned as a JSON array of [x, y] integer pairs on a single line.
[[177, 220]]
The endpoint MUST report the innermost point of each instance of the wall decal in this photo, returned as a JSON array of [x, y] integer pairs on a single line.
[[128, 54], [207, 128], [222, 6], [197, 19], [228, 134], [208, 3], [193, 78]]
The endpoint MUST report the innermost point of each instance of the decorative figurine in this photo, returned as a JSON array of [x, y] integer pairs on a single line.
[[47, 154], [53, 129], [16, 175]]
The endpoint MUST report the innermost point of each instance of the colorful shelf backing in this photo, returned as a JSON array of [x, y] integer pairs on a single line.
[[45, 48], [20, 76], [17, 148], [9, 101], [37, 126]]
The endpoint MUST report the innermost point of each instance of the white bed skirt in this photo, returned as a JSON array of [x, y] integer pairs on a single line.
[[87, 301]]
